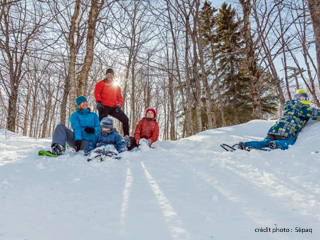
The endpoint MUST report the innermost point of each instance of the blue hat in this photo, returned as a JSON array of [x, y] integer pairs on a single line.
[[106, 122], [80, 100]]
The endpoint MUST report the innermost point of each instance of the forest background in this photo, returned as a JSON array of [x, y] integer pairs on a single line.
[[200, 64]]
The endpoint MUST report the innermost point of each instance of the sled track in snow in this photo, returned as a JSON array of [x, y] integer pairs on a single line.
[[299, 202], [177, 229], [125, 201], [277, 187]]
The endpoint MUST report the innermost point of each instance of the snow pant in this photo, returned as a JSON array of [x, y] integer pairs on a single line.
[[133, 143], [104, 111], [281, 143], [63, 135]]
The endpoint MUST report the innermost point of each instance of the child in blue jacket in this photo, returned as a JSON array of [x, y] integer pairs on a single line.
[[108, 136], [296, 113]]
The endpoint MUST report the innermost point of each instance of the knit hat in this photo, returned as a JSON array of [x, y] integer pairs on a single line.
[[152, 110], [109, 70], [80, 100], [106, 122], [302, 97]]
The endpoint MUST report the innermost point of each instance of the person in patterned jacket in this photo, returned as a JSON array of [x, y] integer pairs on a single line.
[[296, 113], [147, 130]]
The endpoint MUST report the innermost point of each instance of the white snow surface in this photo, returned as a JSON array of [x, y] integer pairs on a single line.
[[186, 189]]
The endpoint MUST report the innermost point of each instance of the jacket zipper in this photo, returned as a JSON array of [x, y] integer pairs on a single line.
[[147, 128]]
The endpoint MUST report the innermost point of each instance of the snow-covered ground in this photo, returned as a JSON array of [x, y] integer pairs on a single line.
[[187, 189]]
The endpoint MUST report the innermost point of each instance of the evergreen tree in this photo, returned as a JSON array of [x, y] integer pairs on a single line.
[[207, 28], [269, 96], [226, 64], [207, 23], [230, 56]]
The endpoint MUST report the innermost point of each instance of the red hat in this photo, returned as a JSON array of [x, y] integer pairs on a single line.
[[151, 109]]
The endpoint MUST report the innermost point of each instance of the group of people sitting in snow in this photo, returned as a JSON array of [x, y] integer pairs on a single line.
[[91, 131]]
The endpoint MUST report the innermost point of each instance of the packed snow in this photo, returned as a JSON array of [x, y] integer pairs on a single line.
[[182, 190]]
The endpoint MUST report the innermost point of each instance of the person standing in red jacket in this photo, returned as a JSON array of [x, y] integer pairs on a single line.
[[109, 102], [147, 130]]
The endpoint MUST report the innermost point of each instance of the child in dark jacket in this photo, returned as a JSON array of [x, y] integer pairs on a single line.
[[108, 136], [147, 130], [296, 113]]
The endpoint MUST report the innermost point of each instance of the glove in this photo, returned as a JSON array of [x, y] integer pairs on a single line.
[[144, 141], [118, 107], [89, 130], [78, 145], [99, 105]]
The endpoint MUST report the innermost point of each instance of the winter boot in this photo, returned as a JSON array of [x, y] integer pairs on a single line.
[[242, 145], [58, 149], [127, 140]]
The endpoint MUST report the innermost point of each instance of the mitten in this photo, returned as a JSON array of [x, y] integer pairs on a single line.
[[118, 108], [89, 130]]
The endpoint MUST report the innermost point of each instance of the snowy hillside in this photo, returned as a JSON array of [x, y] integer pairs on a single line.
[[188, 189]]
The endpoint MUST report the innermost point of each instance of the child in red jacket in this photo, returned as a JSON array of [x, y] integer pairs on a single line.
[[147, 130]]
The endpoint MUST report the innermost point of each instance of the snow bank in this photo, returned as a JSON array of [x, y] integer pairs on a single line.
[[186, 189]]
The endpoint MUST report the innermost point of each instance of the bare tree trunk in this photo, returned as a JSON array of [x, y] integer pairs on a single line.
[[73, 57], [189, 122], [185, 104], [96, 6], [46, 94], [209, 104], [63, 107], [314, 7], [147, 88], [220, 104], [165, 110], [172, 109], [52, 118], [34, 104], [26, 116], [133, 97], [37, 131], [33, 115], [195, 74], [218, 86], [284, 59], [251, 60], [131, 52], [12, 109]]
